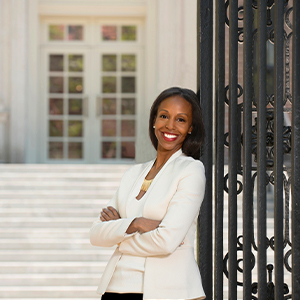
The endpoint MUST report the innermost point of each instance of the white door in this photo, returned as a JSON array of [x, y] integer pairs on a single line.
[[91, 90]]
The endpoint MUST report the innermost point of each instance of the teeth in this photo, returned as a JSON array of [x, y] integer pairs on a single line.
[[170, 136]]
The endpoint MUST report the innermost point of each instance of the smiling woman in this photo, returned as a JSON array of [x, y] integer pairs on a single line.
[[152, 218]]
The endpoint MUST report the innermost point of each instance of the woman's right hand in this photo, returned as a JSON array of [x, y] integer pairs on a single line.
[[142, 225]]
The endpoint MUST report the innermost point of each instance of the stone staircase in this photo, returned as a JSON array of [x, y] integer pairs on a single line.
[[45, 215]]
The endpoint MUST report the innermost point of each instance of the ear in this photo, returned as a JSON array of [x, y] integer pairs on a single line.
[[191, 129]]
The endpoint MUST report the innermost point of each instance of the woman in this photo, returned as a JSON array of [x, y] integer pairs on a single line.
[[152, 218]]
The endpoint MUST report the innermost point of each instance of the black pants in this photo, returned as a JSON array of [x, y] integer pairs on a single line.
[[114, 296]]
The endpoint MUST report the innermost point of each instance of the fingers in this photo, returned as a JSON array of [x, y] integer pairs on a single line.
[[108, 214]]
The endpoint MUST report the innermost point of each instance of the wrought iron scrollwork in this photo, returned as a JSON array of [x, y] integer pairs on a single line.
[[270, 145]]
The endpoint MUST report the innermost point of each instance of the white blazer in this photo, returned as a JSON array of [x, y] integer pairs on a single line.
[[174, 197]]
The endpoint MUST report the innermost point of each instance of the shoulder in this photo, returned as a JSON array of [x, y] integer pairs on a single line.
[[136, 170], [189, 165]]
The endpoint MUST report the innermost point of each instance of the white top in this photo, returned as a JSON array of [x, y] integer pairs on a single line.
[[128, 276]]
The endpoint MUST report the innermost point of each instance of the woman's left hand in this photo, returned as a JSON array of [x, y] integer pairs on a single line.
[[109, 213]]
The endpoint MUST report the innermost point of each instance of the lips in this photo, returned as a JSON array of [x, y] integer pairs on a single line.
[[169, 137]]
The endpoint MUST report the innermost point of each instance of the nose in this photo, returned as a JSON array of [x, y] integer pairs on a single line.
[[170, 124]]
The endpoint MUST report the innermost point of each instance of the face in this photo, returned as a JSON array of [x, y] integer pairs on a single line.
[[172, 123]]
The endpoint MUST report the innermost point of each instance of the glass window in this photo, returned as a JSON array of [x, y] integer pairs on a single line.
[[56, 63], [127, 150], [56, 84], [75, 128], [128, 128], [109, 63], [128, 62], [109, 127], [109, 33], [128, 106], [56, 128], [109, 84], [56, 106], [75, 150], [75, 85], [75, 107], [75, 32], [75, 63], [109, 106], [128, 33], [56, 32], [55, 150], [128, 84], [109, 150]]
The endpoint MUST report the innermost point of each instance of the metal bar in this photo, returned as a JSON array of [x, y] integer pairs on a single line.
[[204, 80], [219, 147], [261, 149], [278, 150], [247, 146], [233, 148], [296, 154]]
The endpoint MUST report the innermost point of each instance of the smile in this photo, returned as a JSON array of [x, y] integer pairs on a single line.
[[169, 136]]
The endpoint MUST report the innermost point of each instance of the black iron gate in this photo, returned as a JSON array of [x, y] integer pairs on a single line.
[[249, 88]]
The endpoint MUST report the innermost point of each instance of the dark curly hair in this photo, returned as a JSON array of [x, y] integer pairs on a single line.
[[193, 142]]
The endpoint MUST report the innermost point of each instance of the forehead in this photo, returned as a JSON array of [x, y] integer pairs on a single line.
[[176, 102]]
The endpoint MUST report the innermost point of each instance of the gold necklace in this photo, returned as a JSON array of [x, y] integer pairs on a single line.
[[146, 183]]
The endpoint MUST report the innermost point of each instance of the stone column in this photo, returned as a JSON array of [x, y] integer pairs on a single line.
[[170, 58], [18, 73]]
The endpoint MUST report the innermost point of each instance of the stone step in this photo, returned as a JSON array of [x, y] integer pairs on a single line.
[[57, 185], [65, 194], [48, 291], [86, 168], [49, 212], [29, 267], [64, 176], [46, 243], [40, 233], [56, 255], [54, 222], [53, 203], [52, 279]]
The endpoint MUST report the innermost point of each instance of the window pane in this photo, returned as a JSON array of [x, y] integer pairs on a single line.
[[128, 84], [56, 32], [56, 106], [109, 62], [109, 127], [75, 63], [56, 63], [128, 150], [56, 128], [75, 85], [109, 84], [109, 106], [109, 33], [128, 128], [75, 128], [75, 107], [75, 150], [55, 150], [128, 106], [128, 33], [128, 62], [56, 84], [109, 150], [75, 33]]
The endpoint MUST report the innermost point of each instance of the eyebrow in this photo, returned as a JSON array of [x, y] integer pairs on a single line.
[[168, 111]]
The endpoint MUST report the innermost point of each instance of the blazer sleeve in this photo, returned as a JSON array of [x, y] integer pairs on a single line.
[[181, 213], [110, 233]]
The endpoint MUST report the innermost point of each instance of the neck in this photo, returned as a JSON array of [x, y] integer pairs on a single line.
[[163, 156]]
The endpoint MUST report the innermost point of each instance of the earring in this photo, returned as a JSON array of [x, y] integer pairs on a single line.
[[153, 126], [189, 132]]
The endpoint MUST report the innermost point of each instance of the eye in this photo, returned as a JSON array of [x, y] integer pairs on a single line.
[[163, 116], [181, 120]]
